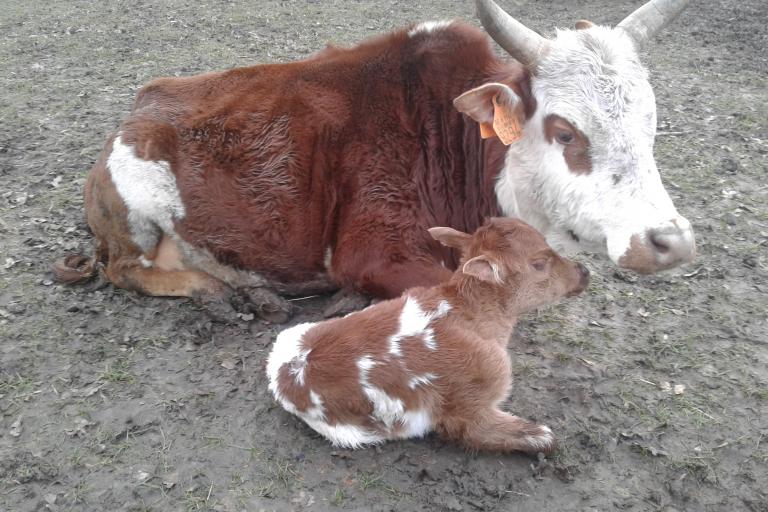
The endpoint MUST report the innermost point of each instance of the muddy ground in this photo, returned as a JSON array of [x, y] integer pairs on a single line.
[[114, 401]]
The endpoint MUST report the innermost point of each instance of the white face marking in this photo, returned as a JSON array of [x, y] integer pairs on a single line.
[[148, 190], [428, 27], [415, 322], [593, 79]]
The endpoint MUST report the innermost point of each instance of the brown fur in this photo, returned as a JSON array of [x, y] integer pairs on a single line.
[[470, 361]]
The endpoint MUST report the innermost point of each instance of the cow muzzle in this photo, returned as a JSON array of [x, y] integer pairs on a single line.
[[660, 248]]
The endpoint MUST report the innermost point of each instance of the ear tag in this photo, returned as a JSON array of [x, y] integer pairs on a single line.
[[486, 131], [505, 123]]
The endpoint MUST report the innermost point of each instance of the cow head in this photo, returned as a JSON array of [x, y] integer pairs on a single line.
[[580, 168]]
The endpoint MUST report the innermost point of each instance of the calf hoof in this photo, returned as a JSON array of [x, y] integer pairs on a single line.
[[539, 438], [267, 305], [344, 302]]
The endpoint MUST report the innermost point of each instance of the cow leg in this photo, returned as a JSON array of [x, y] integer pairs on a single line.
[[266, 304], [345, 301], [387, 280], [211, 292], [495, 430]]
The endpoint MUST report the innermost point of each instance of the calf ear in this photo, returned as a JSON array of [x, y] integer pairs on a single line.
[[483, 268], [497, 108], [450, 237]]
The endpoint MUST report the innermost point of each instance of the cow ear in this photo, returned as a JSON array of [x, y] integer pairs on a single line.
[[584, 24], [483, 268], [497, 108], [450, 237]]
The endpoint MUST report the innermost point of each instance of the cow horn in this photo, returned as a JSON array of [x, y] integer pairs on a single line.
[[646, 21], [519, 41]]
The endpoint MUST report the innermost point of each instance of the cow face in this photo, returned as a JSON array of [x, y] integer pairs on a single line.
[[581, 167]]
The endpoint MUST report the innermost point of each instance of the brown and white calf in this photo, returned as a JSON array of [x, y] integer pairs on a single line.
[[435, 358]]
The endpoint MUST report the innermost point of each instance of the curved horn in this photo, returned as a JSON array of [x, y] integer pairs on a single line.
[[522, 43], [646, 21]]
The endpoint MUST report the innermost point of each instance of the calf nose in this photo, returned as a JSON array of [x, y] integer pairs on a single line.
[[672, 243], [583, 280]]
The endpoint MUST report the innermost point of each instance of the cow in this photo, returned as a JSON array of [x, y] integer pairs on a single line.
[[435, 358], [247, 185]]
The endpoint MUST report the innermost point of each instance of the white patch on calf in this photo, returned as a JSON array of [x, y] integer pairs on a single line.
[[428, 27], [346, 436], [148, 189], [415, 423], [414, 321], [421, 380], [287, 349], [386, 409], [541, 442]]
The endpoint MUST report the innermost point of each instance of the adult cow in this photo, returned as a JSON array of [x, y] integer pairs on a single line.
[[327, 172]]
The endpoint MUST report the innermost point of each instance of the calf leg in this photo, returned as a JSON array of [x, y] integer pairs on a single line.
[[495, 430]]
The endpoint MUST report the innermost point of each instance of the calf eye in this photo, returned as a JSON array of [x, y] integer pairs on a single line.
[[564, 137], [540, 264]]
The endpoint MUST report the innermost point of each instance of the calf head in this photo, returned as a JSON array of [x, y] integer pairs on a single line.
[[512, 257], [580, 165]]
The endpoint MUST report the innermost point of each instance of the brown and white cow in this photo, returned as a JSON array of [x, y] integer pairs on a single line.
[[326, 173], [435, 358]]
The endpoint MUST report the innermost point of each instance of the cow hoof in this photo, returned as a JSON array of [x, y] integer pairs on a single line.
[[220, 310], [268, 306], [344, 302]]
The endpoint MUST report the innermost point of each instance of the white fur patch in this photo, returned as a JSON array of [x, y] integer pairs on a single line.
[[415, 424], [346, 436], [428, 27], [386, 409], [543, 441], [148, 189], [421, 380], [328, 259], [414, 321], [287, 349]]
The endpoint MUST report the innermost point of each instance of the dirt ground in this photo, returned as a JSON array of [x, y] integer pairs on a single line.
[[114, 401]]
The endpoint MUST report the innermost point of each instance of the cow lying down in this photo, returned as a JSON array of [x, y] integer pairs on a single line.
[[435, 358]]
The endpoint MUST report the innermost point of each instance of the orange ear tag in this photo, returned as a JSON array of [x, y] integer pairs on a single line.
[[486, 131], [505, 123]]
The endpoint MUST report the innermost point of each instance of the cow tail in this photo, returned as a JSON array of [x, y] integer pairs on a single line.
[[79, 268], [74, 268]]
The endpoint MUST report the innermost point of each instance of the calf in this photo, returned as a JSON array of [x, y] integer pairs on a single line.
[[433, 359]]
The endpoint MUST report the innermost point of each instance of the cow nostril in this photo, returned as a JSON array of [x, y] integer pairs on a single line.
[[661, 246]]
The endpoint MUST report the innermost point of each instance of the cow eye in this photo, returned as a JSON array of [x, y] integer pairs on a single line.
[[540, 264], [564, 137]]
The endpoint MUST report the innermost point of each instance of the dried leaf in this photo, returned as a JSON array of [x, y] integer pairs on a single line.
[[16, 428]]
